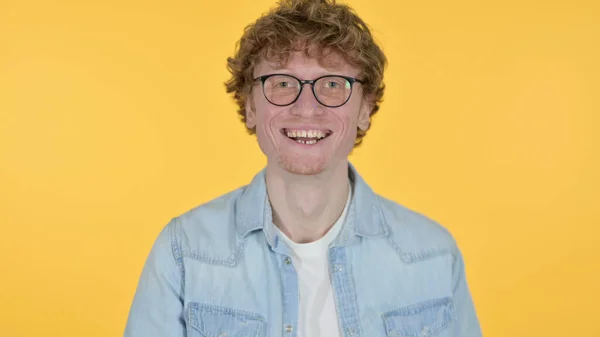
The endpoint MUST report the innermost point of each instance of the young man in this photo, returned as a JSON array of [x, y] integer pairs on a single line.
[[307, 248]]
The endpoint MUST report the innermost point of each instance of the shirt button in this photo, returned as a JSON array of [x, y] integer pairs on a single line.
[[223, 334], [337, 267], [350, 331], [425, 332], [287, 260], [288, 328]]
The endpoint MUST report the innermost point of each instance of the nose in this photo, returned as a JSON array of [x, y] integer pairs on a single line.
[[306, 105]]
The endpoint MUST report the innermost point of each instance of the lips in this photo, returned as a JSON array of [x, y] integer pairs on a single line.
[[306, 136]]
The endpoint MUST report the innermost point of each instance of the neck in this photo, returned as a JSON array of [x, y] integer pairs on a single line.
[[306, 207]]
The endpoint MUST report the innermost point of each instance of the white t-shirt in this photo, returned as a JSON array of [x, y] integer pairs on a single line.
[[317, 313]]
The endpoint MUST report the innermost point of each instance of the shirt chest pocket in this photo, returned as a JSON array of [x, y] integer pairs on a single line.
[[205, 320], [432, 318]]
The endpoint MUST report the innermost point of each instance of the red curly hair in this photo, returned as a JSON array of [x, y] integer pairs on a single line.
[[299, 25]]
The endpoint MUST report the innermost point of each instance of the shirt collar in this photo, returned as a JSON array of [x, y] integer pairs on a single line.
[[364, 216]]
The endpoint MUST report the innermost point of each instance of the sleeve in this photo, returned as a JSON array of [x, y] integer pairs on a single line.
[[467, 323], [157, 306]]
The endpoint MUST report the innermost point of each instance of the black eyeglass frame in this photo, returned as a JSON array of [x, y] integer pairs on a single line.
[[351, 80]]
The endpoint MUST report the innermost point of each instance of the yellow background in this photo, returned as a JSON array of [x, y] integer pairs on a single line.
[[114, 118]]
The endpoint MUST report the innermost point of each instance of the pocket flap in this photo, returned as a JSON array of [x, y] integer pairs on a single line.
[[215, 321], [425, 319]]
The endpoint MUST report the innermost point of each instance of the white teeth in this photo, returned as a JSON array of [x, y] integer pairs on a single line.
[[306, 134], [309, 142]]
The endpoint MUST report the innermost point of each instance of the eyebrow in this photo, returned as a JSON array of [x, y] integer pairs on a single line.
[[327, 62], [328, 67]]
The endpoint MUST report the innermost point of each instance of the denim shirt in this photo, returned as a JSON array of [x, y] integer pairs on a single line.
[[221, 270]]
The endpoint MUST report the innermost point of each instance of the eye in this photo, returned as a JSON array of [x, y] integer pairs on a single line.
[[332, 85], [284, 84]]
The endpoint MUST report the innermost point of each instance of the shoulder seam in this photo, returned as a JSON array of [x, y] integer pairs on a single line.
[[175, 236]]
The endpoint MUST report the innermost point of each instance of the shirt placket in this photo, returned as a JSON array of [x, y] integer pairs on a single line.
[[344, 291], [291, 298]]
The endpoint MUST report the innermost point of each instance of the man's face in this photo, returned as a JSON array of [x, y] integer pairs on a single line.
[[290, 136]]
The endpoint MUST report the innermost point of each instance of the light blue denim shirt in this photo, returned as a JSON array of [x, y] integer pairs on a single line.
[[222, 270]]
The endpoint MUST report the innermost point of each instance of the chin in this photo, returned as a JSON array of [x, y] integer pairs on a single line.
[[304, 167]]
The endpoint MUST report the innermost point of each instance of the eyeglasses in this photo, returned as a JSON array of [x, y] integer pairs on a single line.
[[331, 90]]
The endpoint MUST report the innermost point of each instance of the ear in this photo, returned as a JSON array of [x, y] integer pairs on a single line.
[[250, 112], [364, 115]]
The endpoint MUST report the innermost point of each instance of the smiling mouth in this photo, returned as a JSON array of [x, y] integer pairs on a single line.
[[308, 137]]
